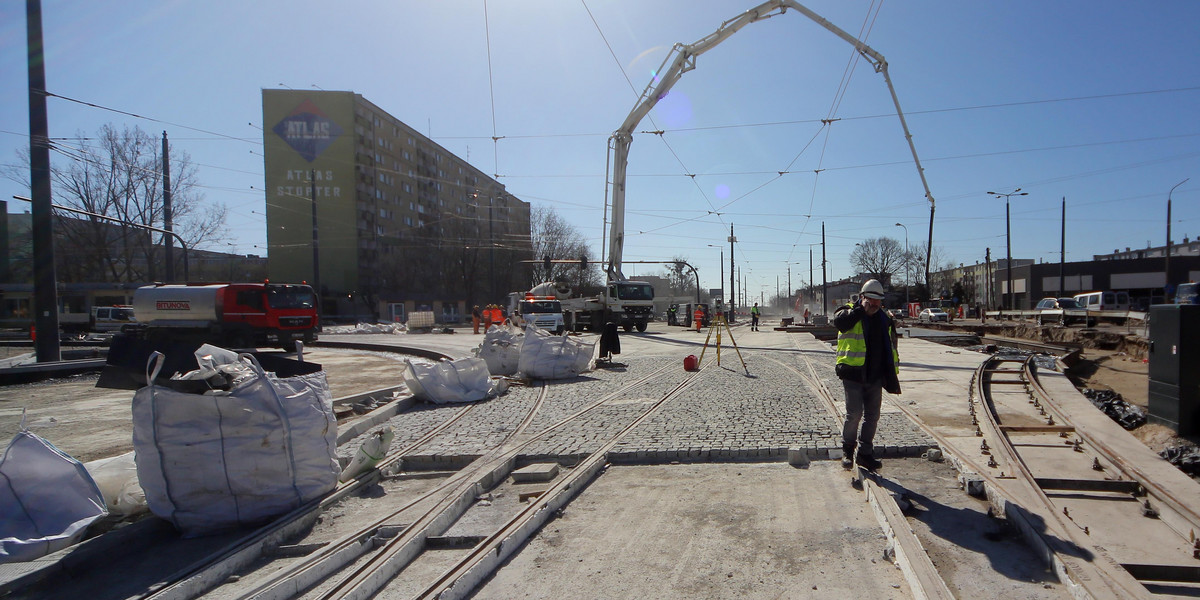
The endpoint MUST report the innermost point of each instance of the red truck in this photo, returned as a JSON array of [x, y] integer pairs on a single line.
[[230, 315]]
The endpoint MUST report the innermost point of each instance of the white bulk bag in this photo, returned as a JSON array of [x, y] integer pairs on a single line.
[[548, 356], [224, 459], [117, 479], [47, 499], [501, 349], [461, 380]]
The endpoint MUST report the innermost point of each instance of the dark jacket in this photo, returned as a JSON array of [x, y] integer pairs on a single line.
[[844, 319]]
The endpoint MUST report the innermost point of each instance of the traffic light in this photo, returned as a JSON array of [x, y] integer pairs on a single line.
[[546, 262], [583, 262]]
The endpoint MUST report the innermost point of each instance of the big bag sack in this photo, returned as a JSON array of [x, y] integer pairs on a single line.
[[47, 499], [226, 459]]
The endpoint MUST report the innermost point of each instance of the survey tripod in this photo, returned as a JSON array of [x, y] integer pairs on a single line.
[[719, 322]]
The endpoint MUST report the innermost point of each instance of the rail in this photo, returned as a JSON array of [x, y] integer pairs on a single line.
[[1076, 496]]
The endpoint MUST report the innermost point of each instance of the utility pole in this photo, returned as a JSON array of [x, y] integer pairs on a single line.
[[168, 221], [492, 252], [1062, 251], [732, 287], [45, 291], [988, 288], [316, 274], [824, 281]]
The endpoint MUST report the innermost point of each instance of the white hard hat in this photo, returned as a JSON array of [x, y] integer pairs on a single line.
[[872, 289]]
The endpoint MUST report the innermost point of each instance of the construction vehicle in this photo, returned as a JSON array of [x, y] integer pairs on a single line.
[[230, 315], [544, 312], [627, 303], [681, 59]]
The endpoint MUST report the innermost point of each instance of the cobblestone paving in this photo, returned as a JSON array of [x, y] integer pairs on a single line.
[[722, 414], [727, 415]]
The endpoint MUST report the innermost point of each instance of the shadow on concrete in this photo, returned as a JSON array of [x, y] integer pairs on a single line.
[[976, 531]]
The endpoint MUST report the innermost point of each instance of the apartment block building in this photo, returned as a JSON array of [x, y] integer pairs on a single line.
[[381, 217]]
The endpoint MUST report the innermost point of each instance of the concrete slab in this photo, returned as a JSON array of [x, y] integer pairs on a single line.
[[535, 473], [752, 531]]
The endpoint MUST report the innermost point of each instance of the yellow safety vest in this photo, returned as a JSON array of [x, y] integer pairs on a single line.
[[852, 348]]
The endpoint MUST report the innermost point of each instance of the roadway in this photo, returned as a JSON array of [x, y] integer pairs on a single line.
[[730, 488]]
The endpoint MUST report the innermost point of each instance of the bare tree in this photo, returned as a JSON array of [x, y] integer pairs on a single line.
[[878, 257], [941, 262], [118, 174], [680, 277], [556, 239]]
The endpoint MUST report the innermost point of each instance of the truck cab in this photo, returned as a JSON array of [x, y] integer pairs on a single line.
[[543, 312]]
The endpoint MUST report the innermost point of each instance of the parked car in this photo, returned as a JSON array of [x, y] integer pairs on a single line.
[[1059, 309], [899, 314], [933, 315]]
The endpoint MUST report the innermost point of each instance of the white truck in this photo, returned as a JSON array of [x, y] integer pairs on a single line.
[[543, 311], [629, 304]]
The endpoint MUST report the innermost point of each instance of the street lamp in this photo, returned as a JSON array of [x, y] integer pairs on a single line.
[[907, 281], [1008, 235], [1167, 262]]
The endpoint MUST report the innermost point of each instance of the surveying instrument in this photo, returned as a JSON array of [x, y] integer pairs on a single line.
[[717, 324]]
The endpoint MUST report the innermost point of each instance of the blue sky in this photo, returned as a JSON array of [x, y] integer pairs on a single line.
[[1097, 102]]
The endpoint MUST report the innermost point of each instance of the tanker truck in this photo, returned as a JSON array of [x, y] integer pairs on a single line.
[[175, 320], [626, 303], [230, 315]]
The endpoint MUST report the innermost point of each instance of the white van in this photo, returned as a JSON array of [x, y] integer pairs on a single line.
[[1103, 300], [111, 318]]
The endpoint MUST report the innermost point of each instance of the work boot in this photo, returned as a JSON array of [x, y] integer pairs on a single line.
[[847, 457], [869, 462]]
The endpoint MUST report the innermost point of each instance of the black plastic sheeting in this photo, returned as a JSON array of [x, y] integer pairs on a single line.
[[1117, 409], [1186, 457]]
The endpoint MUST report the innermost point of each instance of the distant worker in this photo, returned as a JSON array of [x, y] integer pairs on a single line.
[[867, 363], [754, 314], [698, 318], [497, 314], [487, 317], [806, 316], [476, 317], [672, 311]]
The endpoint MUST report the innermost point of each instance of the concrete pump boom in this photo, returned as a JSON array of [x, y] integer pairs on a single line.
[[682, 59]]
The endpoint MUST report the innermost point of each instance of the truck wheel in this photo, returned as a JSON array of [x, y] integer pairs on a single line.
[[641, 326], [627, 327]]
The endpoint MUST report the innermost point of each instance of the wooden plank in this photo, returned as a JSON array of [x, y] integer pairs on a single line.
[[1088, 485]]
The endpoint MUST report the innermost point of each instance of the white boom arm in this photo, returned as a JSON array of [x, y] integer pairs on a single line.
[[682, 59]]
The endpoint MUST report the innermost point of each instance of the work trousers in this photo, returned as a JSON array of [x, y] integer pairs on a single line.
[[862, 405], [754, 322]]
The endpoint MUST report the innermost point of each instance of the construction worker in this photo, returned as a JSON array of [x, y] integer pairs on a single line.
[[487, 318], [497, 314], [806, 313], [698, 318], [476, 317], [754, 315], [867, 364]]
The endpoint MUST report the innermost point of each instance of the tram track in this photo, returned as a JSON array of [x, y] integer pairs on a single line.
[[1082, 508], [390, 543]]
